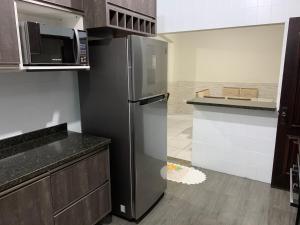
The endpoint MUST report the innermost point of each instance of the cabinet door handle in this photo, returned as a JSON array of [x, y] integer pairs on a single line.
[[284, 115]]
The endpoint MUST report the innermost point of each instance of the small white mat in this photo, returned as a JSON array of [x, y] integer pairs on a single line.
[[186, 175]]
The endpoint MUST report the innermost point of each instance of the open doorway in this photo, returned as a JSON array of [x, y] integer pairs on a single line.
[[245, 57]]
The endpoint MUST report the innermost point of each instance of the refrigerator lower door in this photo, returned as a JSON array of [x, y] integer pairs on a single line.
[[148, 71], [149, 143]]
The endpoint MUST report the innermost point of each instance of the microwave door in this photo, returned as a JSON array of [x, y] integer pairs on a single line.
[[57, 45]]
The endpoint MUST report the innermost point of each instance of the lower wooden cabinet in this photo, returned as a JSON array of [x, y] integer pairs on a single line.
[[88, 210], [78, 194], [30, 205], [70, 184]]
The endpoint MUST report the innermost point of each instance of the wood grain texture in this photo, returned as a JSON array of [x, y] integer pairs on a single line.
[[9, 50], [119, 16], [28, 206], [95, 13], [221, 200], [88, 210], [289, 112], [72, 4], [145, 7], [73, 182]]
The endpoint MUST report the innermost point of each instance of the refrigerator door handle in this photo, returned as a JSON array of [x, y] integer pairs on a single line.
[[163, 97]]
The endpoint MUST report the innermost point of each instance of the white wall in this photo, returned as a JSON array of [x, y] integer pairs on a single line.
[[242, 55], [235, 141], [31, 101], [187, 15]]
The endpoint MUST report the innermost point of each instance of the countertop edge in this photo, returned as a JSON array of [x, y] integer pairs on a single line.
[[191, 102]]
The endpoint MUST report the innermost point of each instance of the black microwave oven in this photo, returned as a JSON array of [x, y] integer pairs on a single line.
[[45, 45]]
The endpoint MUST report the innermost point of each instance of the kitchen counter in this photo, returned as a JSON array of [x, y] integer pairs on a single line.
[[236, 137], [245, 104], [27, 156]]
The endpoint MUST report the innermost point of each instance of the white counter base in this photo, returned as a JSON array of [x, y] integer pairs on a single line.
[[235, 141]]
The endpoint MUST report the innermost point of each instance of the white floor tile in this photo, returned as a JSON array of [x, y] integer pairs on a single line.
[[180, 136]]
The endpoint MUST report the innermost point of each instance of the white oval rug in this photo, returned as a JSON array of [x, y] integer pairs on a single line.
[[186, 175]]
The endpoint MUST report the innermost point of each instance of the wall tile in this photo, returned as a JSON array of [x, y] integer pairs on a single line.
[[178, 15], [264, 14], [264, 3], [251, 3], [219, 143], [182, 91]]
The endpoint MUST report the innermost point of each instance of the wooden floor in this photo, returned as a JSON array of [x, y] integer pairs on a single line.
[[221, 200]]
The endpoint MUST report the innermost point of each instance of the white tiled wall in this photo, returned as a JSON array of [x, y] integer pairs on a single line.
[[187, 15], [240, 142], [181, 91]]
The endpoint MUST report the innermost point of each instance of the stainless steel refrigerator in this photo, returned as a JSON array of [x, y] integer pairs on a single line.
[[124, 97]]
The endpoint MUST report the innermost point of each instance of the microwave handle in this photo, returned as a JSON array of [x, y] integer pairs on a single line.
[[78, 46]]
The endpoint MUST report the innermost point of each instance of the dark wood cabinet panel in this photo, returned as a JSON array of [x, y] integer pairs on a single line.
[[145, 7], [88, 210], [28, 206], [122, 16], [9, 49], [71, 183], [95, 13], [288, 129], [73, 4]]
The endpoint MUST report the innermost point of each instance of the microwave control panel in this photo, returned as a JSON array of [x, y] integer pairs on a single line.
[[84, 60], [83, 54]]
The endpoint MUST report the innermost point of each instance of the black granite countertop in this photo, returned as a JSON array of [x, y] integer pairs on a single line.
[[27, 156], [256, 105]]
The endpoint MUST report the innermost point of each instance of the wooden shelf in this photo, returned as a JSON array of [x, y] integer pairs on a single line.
[[119, 19]]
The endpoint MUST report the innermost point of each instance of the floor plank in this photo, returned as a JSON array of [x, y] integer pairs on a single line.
[[222, 200]]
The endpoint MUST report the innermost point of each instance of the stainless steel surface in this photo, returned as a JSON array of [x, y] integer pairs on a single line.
[[148, 75], [149, 124], [138, 130], [78, 46]]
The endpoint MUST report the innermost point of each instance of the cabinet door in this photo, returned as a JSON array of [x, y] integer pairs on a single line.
[[9, 49], [146, 7], [74, 4], [72, 183], [89, 210], [30, 205]]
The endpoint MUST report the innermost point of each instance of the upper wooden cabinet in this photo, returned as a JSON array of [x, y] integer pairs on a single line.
[[73, 4], [9, 49], [145, 7], [129, 16]]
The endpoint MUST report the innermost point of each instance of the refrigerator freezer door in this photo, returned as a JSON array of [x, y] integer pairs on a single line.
[[149, 129], [148, 72]]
